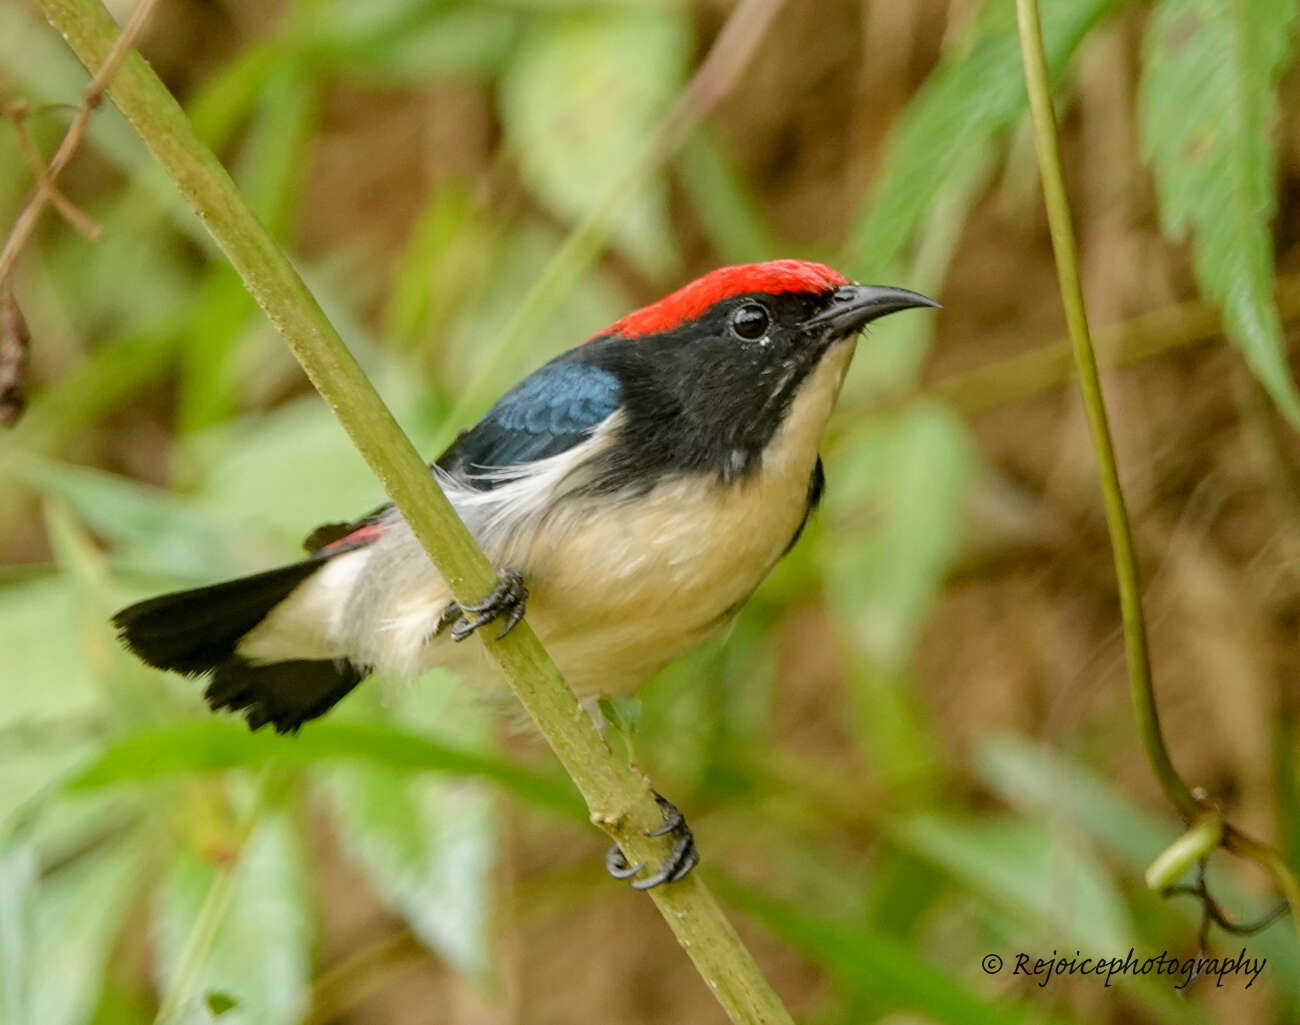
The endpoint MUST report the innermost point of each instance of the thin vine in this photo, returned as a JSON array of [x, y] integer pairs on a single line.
[[1206, 829]]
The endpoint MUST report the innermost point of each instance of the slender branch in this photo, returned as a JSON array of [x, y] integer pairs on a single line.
[[14, 341], [44, 191], [1190, 805], [1212, 911], [619, 800], [1121, 539], [17, 113]]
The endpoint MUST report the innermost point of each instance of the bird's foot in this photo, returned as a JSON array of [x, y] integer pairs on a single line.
[[681, 859], [507, 600]]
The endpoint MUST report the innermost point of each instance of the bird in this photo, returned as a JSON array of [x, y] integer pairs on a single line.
[[633, 492]]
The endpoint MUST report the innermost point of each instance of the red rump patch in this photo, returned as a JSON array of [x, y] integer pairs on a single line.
[[363, 535], [776, 277]]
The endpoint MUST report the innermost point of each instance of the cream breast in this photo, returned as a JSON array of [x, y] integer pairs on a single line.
[[635, 583]]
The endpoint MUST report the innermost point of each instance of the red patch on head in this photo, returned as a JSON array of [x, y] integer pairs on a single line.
[[776, 277]]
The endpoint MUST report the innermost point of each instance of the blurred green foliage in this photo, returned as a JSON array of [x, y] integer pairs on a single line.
[[121, 799]]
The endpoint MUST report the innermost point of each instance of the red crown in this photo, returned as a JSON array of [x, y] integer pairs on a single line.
[[776, 277]]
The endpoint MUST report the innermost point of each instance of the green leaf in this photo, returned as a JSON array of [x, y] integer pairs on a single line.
[[1206, 112], [622, 712], [106, 283], [1045, 875], [222, 314], [277, 148], [157, 530], [894, 508], [36, 762], [892, 528], [426, 845], [120, 1003], [18, 874], [578, 103], [213, 744], [219, 315], [864, 958], [728, 212], [976, 94], [288, 469], [412, 40], [703, 729], [449, 247], [73, 916], [898, 346], [481, 360], [1042, 875], [44, 680], [1038, 781], [223, 101], [428, 848], [260, 954], [220, 1003], [131, 693]]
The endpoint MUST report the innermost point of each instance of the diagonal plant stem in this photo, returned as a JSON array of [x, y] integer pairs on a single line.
[[212, 912], [618, 798], [1189, 805]]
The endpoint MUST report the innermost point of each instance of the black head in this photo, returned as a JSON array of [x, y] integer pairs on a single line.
[[710, 373]]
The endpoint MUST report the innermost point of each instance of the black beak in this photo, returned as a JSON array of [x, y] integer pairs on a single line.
[[854, 306]]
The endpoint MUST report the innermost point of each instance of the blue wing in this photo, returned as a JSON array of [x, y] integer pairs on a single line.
[[551, 410]]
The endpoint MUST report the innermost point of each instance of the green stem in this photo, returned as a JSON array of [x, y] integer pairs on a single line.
[[212, 912], [1121, 538], [198, 946], [1188, 804], [619, 800]]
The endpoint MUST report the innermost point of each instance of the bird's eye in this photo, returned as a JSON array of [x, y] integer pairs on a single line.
[[750, 322]]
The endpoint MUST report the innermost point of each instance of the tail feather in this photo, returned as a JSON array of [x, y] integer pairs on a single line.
[[197, 631], [193, 631], [285, 694]]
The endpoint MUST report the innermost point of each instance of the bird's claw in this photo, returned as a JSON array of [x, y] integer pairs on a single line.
[[507, 599], [681, 859]]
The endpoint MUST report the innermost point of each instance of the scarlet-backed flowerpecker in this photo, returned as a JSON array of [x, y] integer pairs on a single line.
[[635, 490]]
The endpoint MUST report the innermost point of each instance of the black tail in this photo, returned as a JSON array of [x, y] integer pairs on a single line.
[[285, 694], [197, 631]]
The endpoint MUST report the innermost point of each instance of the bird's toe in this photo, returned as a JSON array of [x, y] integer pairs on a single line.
[[507, 600], [681, 858]]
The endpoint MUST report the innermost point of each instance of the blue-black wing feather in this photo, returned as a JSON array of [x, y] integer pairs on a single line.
[[548, 412]]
